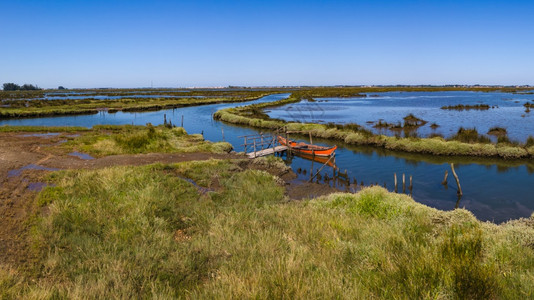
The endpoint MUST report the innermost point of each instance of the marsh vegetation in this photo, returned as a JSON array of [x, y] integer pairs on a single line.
[[148, 232], [466, 142]]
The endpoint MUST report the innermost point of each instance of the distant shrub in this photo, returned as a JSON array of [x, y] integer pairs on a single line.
[[470, 135]]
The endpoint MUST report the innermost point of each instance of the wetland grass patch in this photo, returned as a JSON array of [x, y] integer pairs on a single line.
[[138, 232], [127, 139]]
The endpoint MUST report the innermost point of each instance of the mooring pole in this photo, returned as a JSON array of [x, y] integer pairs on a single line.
[[311, 140], [182, 121]]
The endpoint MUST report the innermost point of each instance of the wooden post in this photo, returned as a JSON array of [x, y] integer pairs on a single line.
[[311, 140], [245, 145], [182, 121], [403, 183], [411, 185], [321, 167], [311, 171], [222, 131], [261, 135], [395, 178], [254, 148], [288, 143], [457, 180], [164, 119], [444, 182]]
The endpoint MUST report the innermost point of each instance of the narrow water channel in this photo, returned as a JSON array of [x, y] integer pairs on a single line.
[[494, 190]]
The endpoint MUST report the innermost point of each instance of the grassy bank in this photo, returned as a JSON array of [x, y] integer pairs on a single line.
[[354, 134], [42, 108], [7, 128], [146, 232], [105, 140]]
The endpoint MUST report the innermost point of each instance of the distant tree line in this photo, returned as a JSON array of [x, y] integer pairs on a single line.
[[15, 87]]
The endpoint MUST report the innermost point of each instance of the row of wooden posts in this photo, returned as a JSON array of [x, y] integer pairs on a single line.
[[170, 122], [410, 187]]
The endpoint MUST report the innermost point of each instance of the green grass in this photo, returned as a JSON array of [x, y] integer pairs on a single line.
[[471, 136], [7, 128], [463, 144], [42, 108], [106, 140], [467, 107], [143, 232]]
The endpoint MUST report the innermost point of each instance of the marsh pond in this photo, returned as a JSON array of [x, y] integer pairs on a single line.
[[494, 189]]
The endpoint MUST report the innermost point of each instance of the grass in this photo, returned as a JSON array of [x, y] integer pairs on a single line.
[[464, 144], [471, 136], [106, 140], [467, 107], [144, 232], [498, 131], [41, 108], [7, 128]]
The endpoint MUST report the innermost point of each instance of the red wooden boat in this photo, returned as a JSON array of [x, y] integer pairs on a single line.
[[304, 148]]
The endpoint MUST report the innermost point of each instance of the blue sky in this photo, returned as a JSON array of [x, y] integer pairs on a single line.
[[218, 43]]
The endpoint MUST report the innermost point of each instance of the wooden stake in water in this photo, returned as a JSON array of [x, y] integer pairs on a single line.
[[395, 178], [444, 182], [222, 131], [457, 180], [182, 121], [403, 183]]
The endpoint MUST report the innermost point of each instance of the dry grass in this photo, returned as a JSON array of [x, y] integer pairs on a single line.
[[143, 232]]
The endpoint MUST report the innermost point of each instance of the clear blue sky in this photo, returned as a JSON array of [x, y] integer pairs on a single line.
[[218, 43]]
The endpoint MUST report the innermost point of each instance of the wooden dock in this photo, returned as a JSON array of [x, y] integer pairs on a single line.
[[267, 151]]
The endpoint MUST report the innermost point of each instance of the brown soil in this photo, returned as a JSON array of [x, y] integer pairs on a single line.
[[16, 200]]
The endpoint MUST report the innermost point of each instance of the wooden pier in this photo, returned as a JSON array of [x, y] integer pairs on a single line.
[[268, 151], [261, 145]]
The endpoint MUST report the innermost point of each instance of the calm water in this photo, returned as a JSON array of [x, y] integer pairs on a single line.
[[493, 190], [393, 106], [106, 97]]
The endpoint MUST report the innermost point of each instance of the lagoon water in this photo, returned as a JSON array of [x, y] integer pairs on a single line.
[[391, 107], [494, 190]]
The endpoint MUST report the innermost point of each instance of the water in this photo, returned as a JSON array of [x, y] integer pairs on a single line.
[[80, 155], [48, 134], [494, 190], [106, 97], [391, 107], [18, 172]]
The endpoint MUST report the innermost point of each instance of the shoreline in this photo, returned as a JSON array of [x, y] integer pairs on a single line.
[[253, 116]]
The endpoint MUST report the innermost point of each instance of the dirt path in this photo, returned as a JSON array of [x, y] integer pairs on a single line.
[[26, 159]]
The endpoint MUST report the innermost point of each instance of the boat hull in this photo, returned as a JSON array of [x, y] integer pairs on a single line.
[[307, 149]]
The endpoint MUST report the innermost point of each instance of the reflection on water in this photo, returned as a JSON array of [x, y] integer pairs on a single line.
[[392, 107], [494, 190]]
